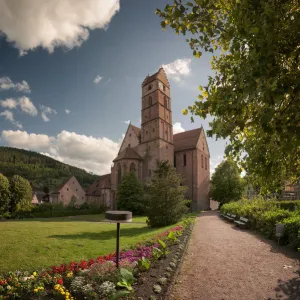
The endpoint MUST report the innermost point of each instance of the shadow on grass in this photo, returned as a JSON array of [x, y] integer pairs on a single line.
[[105, 235]]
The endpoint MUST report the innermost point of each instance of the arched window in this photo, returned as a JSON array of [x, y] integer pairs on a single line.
[[205, 163], [132, 168], [119, 176], [184, 159], [124, 168], [149, 87], [166, 101], [201, 161], [150, 101]]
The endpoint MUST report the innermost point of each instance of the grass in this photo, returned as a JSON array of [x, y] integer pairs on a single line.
[[34, 244]]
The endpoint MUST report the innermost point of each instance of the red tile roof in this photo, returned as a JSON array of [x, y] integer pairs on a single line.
[[103, 182], [186, 140], [128, 153]]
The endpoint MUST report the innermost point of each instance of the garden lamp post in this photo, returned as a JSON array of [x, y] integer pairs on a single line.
[[118, 216]]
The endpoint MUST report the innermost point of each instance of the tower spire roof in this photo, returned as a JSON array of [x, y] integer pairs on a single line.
[[160, 74]]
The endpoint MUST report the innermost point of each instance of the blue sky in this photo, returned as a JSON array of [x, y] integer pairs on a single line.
[[51, 64]]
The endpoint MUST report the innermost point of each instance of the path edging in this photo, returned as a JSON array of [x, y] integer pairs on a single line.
[[174, 279]]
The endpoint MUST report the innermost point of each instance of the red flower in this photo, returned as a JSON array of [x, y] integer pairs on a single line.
[[60, 281]]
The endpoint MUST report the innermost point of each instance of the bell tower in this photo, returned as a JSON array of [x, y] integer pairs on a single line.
[[156, 118]]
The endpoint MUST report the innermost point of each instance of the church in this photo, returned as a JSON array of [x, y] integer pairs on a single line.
[[141, 148]]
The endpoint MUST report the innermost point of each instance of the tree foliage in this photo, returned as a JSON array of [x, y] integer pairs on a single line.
[[21, 194], [166, 201], [226, 184], [130, 194], [4, 193], [254, 95]]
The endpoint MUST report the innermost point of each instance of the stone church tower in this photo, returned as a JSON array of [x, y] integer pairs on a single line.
[[142, 147], [156, 128]]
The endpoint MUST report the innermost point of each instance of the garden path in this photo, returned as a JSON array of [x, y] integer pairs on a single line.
[[223, 262]]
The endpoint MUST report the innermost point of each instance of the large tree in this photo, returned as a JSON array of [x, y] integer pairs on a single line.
[[166, 201], [21, 194], [254, 94], [4, 194], [226, 183], [130, 194]]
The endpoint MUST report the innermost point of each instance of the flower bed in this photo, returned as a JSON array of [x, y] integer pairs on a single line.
[[99, 279]]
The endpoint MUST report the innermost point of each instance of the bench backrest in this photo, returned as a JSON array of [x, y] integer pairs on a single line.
[[244, 219], [233, 216]]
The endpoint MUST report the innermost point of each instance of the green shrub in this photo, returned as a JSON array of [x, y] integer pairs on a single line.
[[289, 205], [266, 221], [292, 227], [263, 215]]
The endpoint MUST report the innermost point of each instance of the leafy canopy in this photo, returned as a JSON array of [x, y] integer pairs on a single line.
[[166, 201], [226, 184], [4, 194], [130, 194], [254, 95], [21, 194]]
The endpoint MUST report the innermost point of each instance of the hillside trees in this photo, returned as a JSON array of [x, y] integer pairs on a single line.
[[166, 201], [254, 94], [226, 184], [130, 194]]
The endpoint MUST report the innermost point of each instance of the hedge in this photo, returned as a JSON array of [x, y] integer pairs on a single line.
[[263, 215], [289, 204], [47, 210]]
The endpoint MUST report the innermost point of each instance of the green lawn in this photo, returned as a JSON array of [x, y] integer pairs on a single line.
[[33, 244]]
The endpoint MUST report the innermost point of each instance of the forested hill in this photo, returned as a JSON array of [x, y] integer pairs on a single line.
[[39, 169]]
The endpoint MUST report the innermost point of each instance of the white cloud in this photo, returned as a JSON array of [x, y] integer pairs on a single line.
[[9, 103], [97, 79], [8, 115], [214, 162], [45, 111], [6, 83], [51, 23], [32, 141], [88, 152], [177, 69], [177, 128], [27, 106], [127, 122], [67, 111]]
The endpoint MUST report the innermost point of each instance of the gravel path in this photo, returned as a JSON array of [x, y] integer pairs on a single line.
[[226, 263]]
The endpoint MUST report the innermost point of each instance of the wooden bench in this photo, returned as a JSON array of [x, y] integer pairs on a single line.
[[232, 218], [242, 222]]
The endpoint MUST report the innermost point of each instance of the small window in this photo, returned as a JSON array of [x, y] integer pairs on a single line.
[[76, 190], [205, 163], [149, 87], [175, 161], [153, 129], [129, 145], [150, 100], [166, 101], [201, 161], [129, 134], [167, 147], [146, 131], [145, 116], [62, 196], [67, 189], [164, 88], [184, 159]]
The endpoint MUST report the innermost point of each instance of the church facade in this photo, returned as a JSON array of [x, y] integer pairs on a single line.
[[142, 147]]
